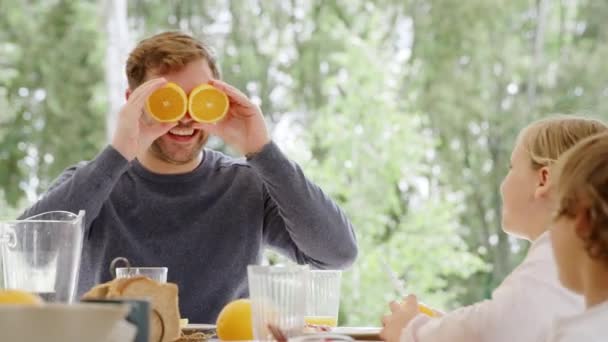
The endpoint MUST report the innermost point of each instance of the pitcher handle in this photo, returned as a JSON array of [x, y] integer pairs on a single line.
[[8, 237]]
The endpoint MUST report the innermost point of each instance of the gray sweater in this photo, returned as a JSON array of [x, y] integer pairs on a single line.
[[206, 226]]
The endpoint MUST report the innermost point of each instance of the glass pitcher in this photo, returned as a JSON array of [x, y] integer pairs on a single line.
[[41, 254]]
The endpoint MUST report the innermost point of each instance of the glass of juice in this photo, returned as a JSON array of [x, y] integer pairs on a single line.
[[323, 298]]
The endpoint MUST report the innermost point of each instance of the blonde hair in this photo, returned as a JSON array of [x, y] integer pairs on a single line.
[[166, 52], [583, 184], [547, 139]]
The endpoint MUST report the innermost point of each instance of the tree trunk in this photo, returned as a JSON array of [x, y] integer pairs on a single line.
[[117, 49], [537, 51]]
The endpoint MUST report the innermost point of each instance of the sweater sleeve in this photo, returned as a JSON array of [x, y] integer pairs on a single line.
[[299, 219], [85, 186]]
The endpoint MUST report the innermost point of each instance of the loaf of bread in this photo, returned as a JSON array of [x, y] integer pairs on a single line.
[[164, 315]]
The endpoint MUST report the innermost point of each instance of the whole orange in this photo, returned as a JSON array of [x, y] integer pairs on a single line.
[[19, 297], [234, 321]]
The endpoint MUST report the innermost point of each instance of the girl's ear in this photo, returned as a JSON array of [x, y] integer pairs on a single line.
[[582, 222], [543, 183]]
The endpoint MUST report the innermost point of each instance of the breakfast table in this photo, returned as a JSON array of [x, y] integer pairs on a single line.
[[207, 331]]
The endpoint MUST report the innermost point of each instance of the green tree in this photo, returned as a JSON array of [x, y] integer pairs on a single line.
[[482, 70], [366, 133], [51, 76]]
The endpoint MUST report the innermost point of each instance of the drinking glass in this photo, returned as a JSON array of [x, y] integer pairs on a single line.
[[277, 299], [155, 273], [323, 298]]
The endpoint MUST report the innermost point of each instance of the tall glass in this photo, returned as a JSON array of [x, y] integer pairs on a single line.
[[278, 299], [323, 298], [41, 254]]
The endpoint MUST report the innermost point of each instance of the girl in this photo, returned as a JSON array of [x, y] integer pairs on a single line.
[[580, 238], [523, 307]]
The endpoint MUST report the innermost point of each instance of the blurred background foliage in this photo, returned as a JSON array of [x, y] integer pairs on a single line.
[[405, 111]]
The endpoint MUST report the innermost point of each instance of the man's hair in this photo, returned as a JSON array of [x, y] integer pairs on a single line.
[[164, 53], [547, 139], [583, 184]]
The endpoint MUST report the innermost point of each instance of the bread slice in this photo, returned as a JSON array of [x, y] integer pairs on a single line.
[[164, 299], [97, 292], [164, 316]]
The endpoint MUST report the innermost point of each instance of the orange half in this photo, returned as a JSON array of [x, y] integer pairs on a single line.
[[167, 104], [207, 104]]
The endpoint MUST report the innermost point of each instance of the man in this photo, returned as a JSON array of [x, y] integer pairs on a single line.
[[158, 198]]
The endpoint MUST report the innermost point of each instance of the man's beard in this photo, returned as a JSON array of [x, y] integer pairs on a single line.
[[180, 158]]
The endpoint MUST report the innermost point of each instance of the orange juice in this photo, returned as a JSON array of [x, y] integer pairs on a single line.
[[329, 321]]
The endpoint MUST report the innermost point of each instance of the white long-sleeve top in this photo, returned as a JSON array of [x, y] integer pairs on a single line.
[[522, 308], [589, 326]]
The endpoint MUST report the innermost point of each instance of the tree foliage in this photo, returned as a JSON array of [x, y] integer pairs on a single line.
[[50, 78]]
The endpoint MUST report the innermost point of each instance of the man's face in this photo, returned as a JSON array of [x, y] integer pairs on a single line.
[[184, 142]]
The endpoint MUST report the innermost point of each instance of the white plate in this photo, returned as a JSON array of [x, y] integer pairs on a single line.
[[199, 327], [358, 332], [321, 337], [60, 322]]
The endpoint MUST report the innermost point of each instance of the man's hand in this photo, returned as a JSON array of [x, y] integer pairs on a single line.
[[243, 127], [401, 315], [134, 131]]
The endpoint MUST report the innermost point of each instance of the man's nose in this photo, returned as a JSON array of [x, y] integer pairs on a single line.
[[186, 119]]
